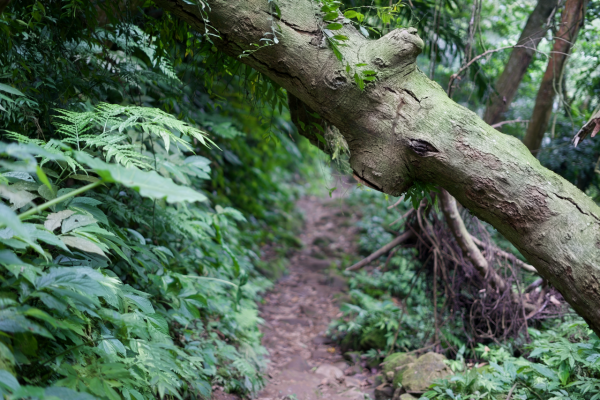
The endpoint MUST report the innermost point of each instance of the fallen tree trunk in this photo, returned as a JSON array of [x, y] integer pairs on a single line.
[[403, 128]]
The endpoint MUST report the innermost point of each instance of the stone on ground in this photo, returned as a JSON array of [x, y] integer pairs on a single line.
[[330, 372], [419, 375], [396, 360], [407, 396]]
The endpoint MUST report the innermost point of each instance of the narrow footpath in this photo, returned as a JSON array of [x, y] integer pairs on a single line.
[[305, 365]]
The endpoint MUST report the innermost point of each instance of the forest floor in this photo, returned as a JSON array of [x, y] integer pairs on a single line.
[[304, 364]]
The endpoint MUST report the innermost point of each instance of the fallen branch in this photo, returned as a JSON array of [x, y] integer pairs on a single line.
[[499, 124], [396, 242], [400, 200], [409, 212], [537, 283], [504, 254], [423, 348], [466, 243]]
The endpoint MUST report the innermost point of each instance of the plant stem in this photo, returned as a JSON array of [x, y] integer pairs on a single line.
[[57, 200]]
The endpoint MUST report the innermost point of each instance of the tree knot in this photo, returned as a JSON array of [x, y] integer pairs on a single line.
[[421, 147], [398, 48]]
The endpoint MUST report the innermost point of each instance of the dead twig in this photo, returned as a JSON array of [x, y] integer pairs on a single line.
[[455, 76], [512, 389], [396, 242], [400, 200], [499, 124], [504, 254], [423, 348], [406, 214]]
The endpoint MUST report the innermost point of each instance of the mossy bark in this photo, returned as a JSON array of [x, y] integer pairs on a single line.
[[403, 127]]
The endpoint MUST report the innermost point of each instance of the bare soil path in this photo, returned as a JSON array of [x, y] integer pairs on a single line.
[[305, 365]]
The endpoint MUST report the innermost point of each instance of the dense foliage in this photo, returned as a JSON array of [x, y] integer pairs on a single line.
[[141, 171], [137, 190], [390, 308]]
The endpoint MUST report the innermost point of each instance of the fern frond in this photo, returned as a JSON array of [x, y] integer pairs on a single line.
[[17, 137]]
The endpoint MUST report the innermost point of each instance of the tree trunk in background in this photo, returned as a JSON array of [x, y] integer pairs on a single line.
[[403, 128], [3, 5], [520, 58], [570, 22]]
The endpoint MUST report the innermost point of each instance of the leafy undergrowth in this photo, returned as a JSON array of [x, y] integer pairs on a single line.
[[122, 283], [391, 310], [390, 305], [561, 362], [130, 243]]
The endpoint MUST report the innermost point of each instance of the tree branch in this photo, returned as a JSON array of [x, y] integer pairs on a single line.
[[466, 243], [499, 124], [396, 242], [504, 254]]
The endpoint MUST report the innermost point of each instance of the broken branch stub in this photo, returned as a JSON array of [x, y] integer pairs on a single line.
[[591, 127]]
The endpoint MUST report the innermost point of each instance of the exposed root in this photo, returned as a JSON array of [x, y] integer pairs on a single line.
[[471, 278]]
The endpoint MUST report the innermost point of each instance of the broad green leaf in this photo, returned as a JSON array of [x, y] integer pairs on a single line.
[[137, 235], [82, 244], [359, 81], [544, 371], [148, 184], [143, 304], [24, 176], [9, 219], [75, 221], [39, 314], [47, 192], [334, 26], [232, 212], [64, 393], [8, 382], [330, 16], [50, 238], [10, 89], [13, 321]]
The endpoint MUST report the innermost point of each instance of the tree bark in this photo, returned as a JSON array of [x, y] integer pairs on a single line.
[[570, 22], [520, 58], [403, 128]]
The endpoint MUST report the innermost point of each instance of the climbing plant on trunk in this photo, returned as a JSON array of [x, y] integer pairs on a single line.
[[402, 128]]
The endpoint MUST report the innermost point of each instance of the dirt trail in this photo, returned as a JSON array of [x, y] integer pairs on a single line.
[[297, 311]]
